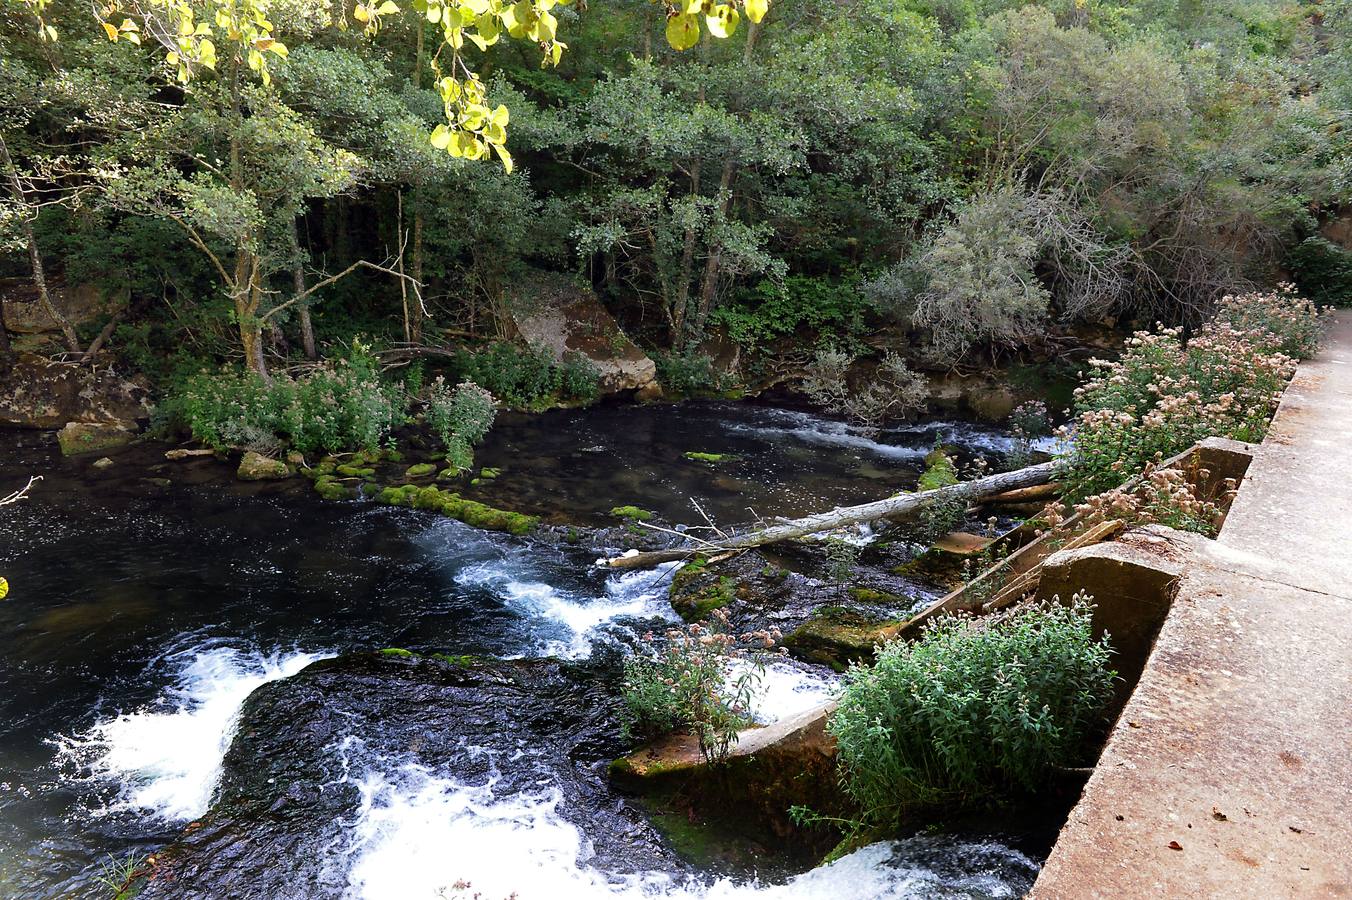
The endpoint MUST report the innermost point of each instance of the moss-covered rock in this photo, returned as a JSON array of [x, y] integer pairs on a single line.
[[939, 471], [634, 513], [836, 636], [470, 512], [696, 605], [91, 437], [707, 457], [397, 652], [420, 470], [331, 488], [489, 472], [354, 471], [257, 467]]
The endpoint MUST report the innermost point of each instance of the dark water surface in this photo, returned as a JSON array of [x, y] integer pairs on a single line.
[[142, 614]]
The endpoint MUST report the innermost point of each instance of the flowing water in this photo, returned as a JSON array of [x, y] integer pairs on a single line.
[[143, 614]]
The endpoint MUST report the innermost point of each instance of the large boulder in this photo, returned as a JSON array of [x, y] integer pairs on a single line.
[[92, 437], [553, 312], [82, 304], [254, 466], [37, 393]]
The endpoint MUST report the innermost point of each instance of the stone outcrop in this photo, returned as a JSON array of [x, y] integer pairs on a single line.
[[553, 312], [81, 305], [37, 393], [92, 437], [255, 466]]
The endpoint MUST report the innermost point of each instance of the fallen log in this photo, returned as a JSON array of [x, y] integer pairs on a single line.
[[897, 507]]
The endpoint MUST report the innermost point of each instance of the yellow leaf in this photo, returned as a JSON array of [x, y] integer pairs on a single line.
[[110, 31], [134, 38], [722, 21], [756, 9], [361, 14], [279, 48], [206, 54], [434, 14], [388, 8], [505, 157], [682, 31], [4, 588], [500, 115], [441, 137]]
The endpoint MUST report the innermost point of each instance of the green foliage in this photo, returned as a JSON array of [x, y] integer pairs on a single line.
[[333, 408], [633, 513], [702, 679], [827, 309], [528, 377], [1323, 271], [1161, 396], [461, 417], [971, 711], [686, 374]]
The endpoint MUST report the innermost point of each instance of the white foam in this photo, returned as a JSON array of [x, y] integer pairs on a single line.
[[418, 836], [785, 689], [165, 759], [629, 595]]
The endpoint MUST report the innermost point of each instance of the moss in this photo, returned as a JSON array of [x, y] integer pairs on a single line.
[[879, 598], [836, 637], [420, 470], [397, 651], [350, 471], [489, 472], [394, 456], [707, 457], [631, 512], [330, 488], [470, 512], [448, 474], [697, 605], [326, 466], [685, 574], [462, 660]]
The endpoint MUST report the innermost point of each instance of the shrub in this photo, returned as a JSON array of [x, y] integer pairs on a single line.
[[461, 417], [702, 680], [1161, 395], [1164, 497], [773, 309], [891, 391], [528, 377], [1323, 270], [971, 710], [687, 373], [333, 408]]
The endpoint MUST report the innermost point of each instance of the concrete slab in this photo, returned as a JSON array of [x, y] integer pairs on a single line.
[[1229, 772], [1292, 519]]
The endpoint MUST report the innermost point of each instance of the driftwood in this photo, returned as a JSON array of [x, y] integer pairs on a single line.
[[892, 508]]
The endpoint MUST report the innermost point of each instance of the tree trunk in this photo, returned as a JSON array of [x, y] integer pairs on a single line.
[[34, 257], [677, 316], [6, 351], [416, 332], [307, 329], [894, 507], [248, 296], [709, 282]]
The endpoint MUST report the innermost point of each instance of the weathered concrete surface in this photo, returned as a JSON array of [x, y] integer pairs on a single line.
[[1229, 772]]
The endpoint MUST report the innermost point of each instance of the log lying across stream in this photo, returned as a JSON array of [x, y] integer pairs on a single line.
[[897, 507]]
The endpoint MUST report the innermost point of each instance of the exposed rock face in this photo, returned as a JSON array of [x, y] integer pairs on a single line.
[[81, 304], [257, 467], [37, 393], [91, 437], [292, 777], [552, 312]]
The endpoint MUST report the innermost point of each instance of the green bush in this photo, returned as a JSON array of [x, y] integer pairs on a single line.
[[685, 685], [461, 417], [333, 408], [1323, 271], [772, 309], [1162, 396], [686, 373], [972, 710], [528, 377]]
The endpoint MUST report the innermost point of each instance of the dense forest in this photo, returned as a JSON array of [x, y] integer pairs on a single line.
[[951, 180]]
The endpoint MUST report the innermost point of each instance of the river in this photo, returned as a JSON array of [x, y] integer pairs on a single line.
[[142, 615]]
